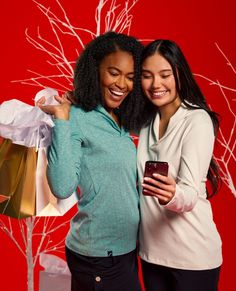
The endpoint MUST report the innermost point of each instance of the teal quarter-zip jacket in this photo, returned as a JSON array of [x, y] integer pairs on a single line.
[[92, 152]]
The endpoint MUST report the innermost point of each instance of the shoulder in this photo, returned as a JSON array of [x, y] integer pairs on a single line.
[[77, 118], [198, 124], [75, 111], [77, 114], [198, 117]]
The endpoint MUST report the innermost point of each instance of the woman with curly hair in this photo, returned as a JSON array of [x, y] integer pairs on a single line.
[[92, 149]]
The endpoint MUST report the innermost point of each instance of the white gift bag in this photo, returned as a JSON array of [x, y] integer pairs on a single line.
[[46, 203], [29, 126]]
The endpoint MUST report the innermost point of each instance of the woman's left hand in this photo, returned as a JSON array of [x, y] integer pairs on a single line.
[[161, 187]]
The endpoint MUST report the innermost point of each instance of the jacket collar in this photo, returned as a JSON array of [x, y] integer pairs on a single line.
[[179, 115], [110, 120]]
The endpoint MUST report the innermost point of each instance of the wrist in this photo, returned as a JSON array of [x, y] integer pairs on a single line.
[[62, 114]]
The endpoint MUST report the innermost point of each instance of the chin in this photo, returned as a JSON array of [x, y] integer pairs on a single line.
[[111, 105], [156, 102]]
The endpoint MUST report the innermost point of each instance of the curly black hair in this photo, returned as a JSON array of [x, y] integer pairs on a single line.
[[188, 91], [87, 91]]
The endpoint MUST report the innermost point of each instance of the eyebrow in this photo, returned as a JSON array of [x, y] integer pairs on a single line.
[[162, 71], [111, 67], [115, 68]]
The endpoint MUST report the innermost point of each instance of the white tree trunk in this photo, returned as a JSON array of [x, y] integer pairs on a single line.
[[29, 254]]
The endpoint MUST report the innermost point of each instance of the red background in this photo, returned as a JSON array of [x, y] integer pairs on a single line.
[[195, 25]]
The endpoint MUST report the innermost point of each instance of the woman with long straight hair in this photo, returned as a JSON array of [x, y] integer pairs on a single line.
[[180, 247]]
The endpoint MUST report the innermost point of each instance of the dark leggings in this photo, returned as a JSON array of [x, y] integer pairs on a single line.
[[159, 278], [113, 273]]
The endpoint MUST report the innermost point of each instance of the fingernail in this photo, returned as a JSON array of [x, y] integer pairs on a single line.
[[156, 175]]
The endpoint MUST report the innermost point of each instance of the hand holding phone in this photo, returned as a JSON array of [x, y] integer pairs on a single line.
[[152, 167]]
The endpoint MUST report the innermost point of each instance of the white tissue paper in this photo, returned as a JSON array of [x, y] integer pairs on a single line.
[[25, 124], [29, 126], [56, 275], [49, 94]]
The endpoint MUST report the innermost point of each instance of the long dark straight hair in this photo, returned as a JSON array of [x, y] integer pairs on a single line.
[[189, 93]]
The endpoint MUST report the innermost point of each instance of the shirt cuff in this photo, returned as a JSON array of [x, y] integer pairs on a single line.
[[182, 202]]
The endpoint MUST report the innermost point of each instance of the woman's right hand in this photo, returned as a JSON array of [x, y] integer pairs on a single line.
[[60, 111], [161, 187]]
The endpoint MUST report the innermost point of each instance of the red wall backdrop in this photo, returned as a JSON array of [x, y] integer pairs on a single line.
[[205, 29]]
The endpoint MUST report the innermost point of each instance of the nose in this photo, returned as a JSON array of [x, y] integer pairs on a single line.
[[156, 83], [120, 82]]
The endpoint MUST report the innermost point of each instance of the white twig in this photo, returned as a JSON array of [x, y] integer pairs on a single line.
[[226, 140]]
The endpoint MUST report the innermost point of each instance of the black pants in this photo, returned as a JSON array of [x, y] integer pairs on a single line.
[[118, 273], [160, 278]]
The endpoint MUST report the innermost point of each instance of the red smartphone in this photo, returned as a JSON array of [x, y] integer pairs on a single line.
[[152, 167]]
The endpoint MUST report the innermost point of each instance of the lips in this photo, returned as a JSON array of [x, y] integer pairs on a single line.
[[117, 95], [158, 94]]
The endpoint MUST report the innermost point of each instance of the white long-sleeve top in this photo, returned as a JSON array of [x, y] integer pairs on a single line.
[[181, 234]]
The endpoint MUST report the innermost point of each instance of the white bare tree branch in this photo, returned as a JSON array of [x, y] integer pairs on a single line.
[[226, 138], [109, 16]]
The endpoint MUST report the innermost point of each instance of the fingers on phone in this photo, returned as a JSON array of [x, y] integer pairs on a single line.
[[160, 177], [151, 187], [153, 182]]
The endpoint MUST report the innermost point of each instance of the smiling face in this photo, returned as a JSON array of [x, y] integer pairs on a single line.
[[116, 73], [158, 82]]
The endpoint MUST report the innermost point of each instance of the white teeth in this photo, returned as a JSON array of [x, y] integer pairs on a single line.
[[117, 93], [158, 94]]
